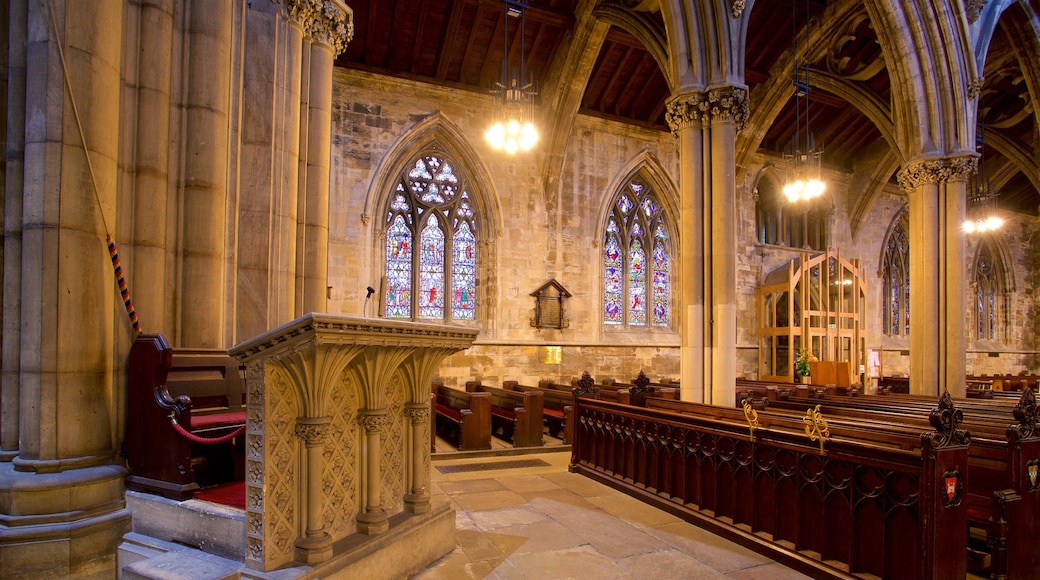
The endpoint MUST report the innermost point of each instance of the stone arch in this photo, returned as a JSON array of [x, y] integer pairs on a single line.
[[1004, 288], [650, 167], [700, 37], [933, 109]]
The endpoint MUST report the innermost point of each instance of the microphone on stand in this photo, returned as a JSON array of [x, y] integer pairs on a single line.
[[371, 291]]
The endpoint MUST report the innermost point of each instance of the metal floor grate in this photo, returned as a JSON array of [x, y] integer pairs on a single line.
[[492, 465]]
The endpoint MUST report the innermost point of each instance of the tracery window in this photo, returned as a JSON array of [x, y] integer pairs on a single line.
[[636, 261], [895, 277], [431, 244], [990, 294]]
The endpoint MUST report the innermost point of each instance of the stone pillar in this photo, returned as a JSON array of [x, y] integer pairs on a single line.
[[66, 418], [205, 191], [373, 519], [329, 30], [936, 188], [12, 223], [147, 277], [706, 125], [417, 500], [265, 297], [316, 544]]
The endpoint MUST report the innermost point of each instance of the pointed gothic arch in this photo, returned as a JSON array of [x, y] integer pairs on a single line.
[[639, 248], [991, 287], [436, 216], [894, 271]]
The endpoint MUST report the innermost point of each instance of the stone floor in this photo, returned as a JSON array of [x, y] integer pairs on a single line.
[[526, 516]]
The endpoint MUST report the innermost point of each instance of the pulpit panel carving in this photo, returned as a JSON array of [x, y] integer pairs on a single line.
[[392, 469], [340, 454]]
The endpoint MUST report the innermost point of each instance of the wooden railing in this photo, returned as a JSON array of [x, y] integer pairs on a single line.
[[854, 509]]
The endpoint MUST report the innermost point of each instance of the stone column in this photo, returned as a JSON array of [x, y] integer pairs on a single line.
[[205, 169], [706, 125], [12, 223], [330, 31], [417, 500], [373, 519], [936, 188], [316, 544], [66, 418], [265, 269], [152, 152]]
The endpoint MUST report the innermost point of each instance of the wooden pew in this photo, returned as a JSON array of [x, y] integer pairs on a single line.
[[556, 408], [463, 419], [516, 415], [639, 389], [859, 508], [200, 391], [1003, 499]]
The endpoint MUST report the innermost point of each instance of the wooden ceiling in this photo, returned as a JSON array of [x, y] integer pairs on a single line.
[[461, 43]]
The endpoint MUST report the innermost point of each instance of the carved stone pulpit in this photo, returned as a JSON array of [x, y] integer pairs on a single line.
[[337, 432]]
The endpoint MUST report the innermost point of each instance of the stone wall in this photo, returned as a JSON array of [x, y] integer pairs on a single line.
[[545, 234]]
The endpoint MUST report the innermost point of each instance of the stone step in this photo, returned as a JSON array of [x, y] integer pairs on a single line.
[[209, 527], [182, 565]]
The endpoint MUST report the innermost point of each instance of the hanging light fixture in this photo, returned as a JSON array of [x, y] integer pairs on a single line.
[[982, 198], [514, 130], [805, 159]]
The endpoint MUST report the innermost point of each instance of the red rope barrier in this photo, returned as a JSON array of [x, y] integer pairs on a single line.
[[205, 441]]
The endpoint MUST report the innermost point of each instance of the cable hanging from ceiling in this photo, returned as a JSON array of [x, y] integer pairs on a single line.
[[805, 159], [513, 130]]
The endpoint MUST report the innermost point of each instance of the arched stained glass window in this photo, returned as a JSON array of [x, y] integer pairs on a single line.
[[636, 261], [895, 278], [990, 294], [435, 278]]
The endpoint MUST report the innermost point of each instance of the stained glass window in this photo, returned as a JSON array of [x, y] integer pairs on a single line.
[[464, 274], [895, 276], [990, 294], [636, 261], [437, 278]]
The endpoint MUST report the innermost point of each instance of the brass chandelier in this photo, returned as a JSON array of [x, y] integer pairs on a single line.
[[514, 130]]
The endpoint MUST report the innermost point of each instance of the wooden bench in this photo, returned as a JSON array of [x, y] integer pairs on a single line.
[[463, 419], [891, 511], [638, 390], [200, 391], [556, 408], [1002, 498], [516, 415]]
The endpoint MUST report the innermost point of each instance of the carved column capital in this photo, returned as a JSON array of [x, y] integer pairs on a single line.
[[736, 8], [943, 170], [373, 421], [707, 107], [313, 430], [974, 88], [419, 413], [974, 9], [331, 26]]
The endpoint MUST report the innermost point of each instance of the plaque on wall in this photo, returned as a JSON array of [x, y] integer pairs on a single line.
[[548, 306]]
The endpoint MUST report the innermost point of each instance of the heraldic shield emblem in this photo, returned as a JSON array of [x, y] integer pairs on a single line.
[[1033, 473], [951, 481]]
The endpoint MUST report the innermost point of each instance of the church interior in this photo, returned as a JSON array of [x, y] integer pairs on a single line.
[[390, 234]]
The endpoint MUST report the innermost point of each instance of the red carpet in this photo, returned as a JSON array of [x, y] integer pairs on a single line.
[[232, 494]]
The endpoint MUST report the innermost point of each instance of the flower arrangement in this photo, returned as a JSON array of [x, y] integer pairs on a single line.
[[801, 365]]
